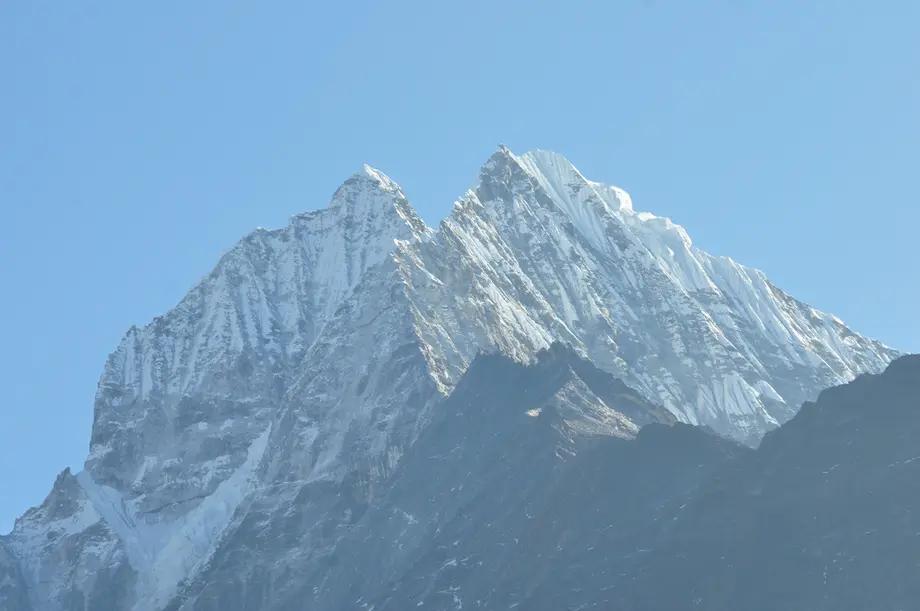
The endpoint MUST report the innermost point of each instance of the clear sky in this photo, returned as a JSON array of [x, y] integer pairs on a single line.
[[140, 140]]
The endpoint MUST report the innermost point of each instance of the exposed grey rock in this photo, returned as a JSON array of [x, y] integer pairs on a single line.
[[68, 556], [825, 515], [13, 592]]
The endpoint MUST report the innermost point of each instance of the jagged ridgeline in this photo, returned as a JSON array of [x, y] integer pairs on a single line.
[[314, 412]]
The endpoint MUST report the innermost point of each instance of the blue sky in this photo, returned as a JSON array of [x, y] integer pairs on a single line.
[[136, 144]]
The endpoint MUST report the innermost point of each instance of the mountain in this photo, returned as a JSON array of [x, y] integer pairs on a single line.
[[13, 592], [536, 253], [825, 515], [496, 440], [531, 510], [241, 438]]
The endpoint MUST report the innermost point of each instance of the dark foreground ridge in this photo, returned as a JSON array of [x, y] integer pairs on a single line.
[[825, 515]]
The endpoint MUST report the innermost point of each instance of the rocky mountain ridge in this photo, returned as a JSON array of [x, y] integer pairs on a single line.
[[275, 403]]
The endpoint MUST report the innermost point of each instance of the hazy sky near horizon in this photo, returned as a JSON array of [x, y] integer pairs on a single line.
[[138, 142]]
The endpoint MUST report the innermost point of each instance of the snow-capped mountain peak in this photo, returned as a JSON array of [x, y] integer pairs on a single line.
[[265, 412], [367, 186], [546, 254]]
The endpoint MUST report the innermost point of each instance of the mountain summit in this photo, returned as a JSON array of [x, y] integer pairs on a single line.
[[544, 254], [241, 437]]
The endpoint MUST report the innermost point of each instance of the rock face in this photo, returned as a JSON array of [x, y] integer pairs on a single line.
[[515, 484], [249, 432], [501, 436], [13, 593], [825, 515]]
